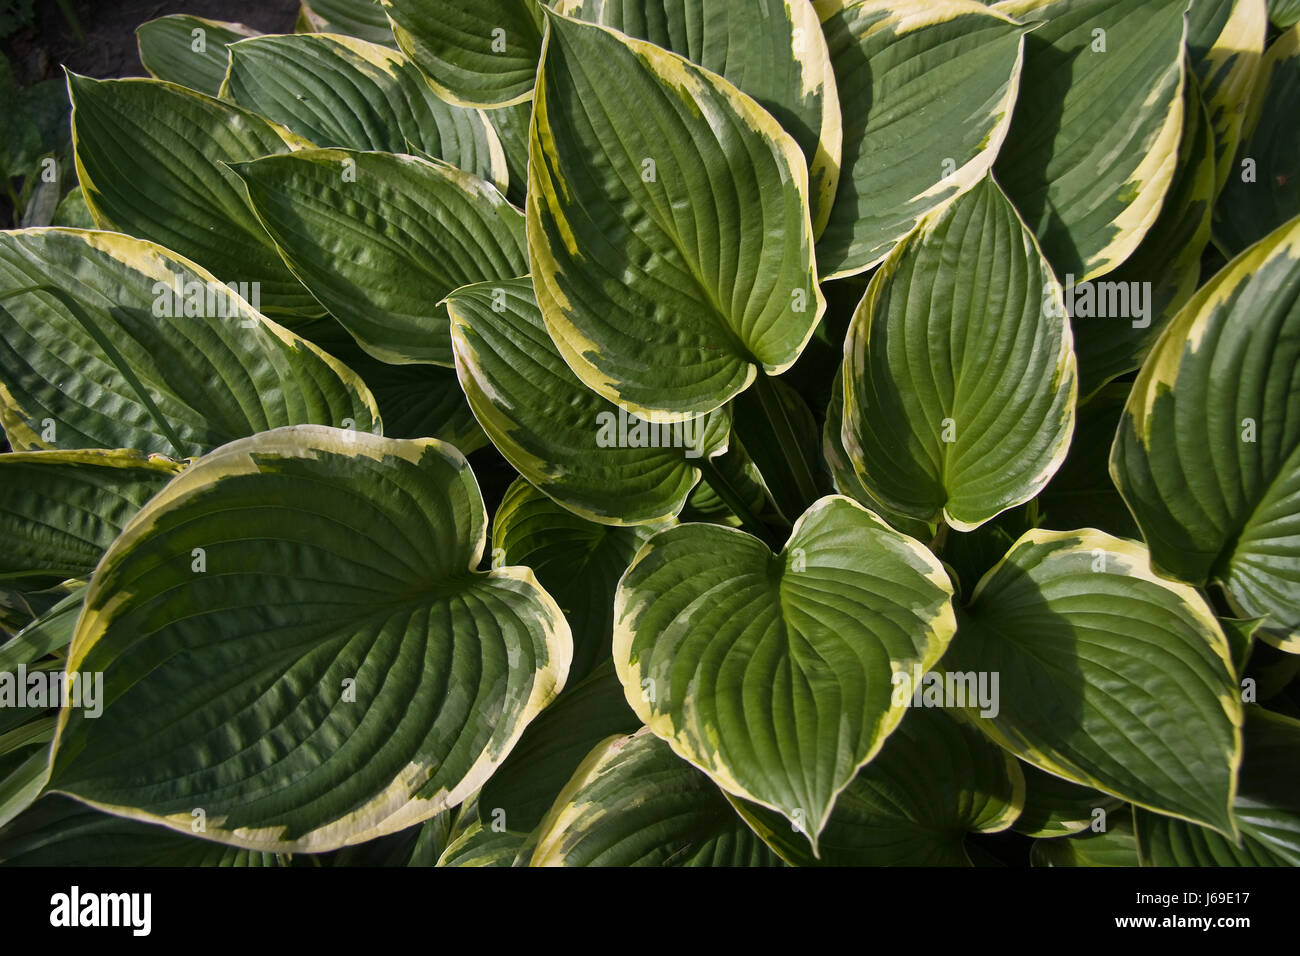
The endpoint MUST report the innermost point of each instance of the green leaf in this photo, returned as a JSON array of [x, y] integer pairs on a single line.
[[1284, 13], [926, 89], [152, 160], [59, 831], [344, 92], [511, 125], [1117, 846], [772, 50], [474, 52], [364, 19], [380, 239], [1095, 134], [959, 378], [344, 632], [1208, 452], [667, 215], [1117, 332], [935, 779], [633, 803], [1267, 808], [579, 563], [1056, 807], [1225, 40], [772, 672], [593, 457], [1263, 189], [481, 845], [778, 432], [97, 350], [1110, 676], [59, 510], [524, 787], [46, 635], [189, 51]]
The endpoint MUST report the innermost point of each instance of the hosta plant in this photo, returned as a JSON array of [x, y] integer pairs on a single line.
[[668, 432]]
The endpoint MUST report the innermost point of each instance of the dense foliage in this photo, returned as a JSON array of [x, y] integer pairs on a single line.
[[883, 423]]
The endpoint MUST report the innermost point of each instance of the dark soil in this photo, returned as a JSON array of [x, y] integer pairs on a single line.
[[37, 52]]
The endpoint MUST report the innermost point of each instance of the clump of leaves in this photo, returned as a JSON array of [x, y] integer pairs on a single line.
[[888, 415]]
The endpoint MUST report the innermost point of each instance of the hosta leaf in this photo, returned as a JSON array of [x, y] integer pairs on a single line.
[[773, 50], [1284, 13], [311, 670], [959, 379], [935, 779], [190, 51], [667, 215], [1208, 452], [88, 361], [59, 831], [474, 52], [1161, 274], [772, 673], [524, 787], [340, 91], [1110, 676], [579, 563], [481, 845], [364, 19], [633, 803], [511, 125], [59, 510], [1225, 40], [380, 239], [47, 634], [565, 439], [1267, 808], [1263, 190], [926, 90], [152, 160], [1056, 807], [1116, 846], [778, 432], [1095, 134]]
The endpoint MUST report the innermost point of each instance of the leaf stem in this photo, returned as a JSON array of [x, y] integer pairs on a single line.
[[733, 500], [778, 419]]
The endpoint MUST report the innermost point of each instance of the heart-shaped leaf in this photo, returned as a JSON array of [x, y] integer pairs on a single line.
[[112, 342], [595, 458], [926, 89], [1089, 170], [772, 673], [1208, 452], [152, 161], [303, 670], [380, 239], [344, 92], [474, 52], [667, 215], [1110, 676], [959, 378], [632, 802]]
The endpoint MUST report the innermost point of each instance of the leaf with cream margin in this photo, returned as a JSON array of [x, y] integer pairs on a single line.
[[633, 802], [595, 458], [152, 162], [99, 349], [380, 239], [187, 50], [1115, 846], [474, 52], [1207, 455], [667, 215], [364, 19], [773, 50], [959, 373], [344, 92], [926, 89], [772, 672], [1094, 139], [333, 670], [1109, 676]]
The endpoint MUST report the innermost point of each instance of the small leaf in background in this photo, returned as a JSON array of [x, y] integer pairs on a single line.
[[187, 50], [1209, 459], [1056, 807], [959, 378], [773, 673], [343, 631], [667, 214], [364, 19], [1115, 846]]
